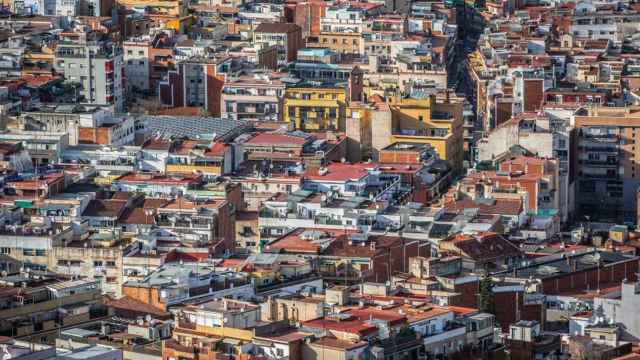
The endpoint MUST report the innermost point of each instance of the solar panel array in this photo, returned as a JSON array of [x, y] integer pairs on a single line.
[[189, 126]]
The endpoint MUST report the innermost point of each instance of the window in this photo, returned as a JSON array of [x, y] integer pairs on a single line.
[[41, 252], [111, 264], [97, 263], [279, 352], [28, 252], [5, 250]]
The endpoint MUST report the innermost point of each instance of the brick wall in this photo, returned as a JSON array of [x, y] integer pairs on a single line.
[[533, 94], [396, 258], [398, 157], [591, 279], [468, 294], [214, 90], [149, 296], [100, 136]]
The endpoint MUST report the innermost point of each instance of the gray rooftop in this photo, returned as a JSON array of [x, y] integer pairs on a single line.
[[565, 263]]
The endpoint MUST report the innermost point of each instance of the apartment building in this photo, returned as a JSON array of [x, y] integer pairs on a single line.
[[210, 224], [285, 151], [426, 120], [197, 81], [544, 135], [62, 119], [310, 106], [605, 163], [342, 19], [286, 37], [137, 67], [99, 259], [96, 68], [32, 303], [535, 180], [257, 97], [147, 59], [174, 283], [209, 158]]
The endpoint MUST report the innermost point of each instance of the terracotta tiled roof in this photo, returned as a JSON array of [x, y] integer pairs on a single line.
[[485, 246], [391, 317], [276, 28], [154, 203], [331, 342], [131, 304], [137, 216], [160, 179], [351, 325], [341, 172], [105, 208], [180, 111], [500, 207]]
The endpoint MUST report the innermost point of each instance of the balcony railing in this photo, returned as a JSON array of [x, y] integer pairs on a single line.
[[605, 163], [264, 213], [451, 332], [600, 176], [327, 221]]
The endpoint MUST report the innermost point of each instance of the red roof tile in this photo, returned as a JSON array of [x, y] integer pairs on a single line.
[[485, 246], [351, 325], [341, 172], [500, 207], [391, 317]]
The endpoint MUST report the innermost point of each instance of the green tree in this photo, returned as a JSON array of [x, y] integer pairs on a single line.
[[486, 301]]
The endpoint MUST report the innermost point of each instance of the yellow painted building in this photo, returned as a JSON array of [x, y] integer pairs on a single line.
[[343, 43], [315, 108], [429, 121], [211, 168], [191, 156], [358, 130], [166, 7]]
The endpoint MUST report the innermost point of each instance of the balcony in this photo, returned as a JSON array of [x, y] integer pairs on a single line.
[[190, 169], [609, 176], [438, 133], [321, 220], [600, 163], [184, 224], [270, 214], [605, 138], [449, 333]]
